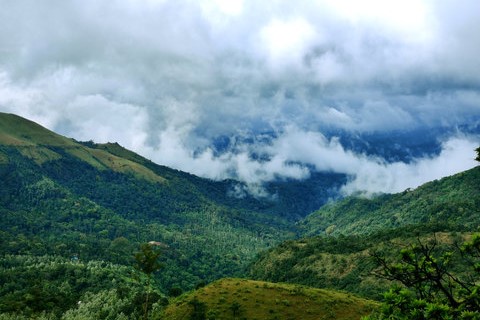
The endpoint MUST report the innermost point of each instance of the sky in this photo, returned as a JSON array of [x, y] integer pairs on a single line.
[[252, 90]]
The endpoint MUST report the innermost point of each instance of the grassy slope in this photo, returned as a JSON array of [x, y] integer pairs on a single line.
[[39, 144], [452, 200], [264, 300], [344, 262], [15, 130]]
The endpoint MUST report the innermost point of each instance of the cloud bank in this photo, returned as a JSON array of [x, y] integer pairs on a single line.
[[169, 78]]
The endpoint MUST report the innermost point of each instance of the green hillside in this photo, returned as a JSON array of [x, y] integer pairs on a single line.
[[340, 237], [343, 262], [62, 198], [17, 131], [73, 214], [247, 299], [53, 286], [453, 201]]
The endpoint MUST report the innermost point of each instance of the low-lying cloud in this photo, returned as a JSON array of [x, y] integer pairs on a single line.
[[169, 78], [295, 153]]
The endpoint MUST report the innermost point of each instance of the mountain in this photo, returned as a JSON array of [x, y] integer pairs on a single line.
[[344, 262], [338, 240], [247, 299], [453, 201], [60, 197], [73, 214]]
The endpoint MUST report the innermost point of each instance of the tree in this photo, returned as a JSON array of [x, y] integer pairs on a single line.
[[478, 154], [146, 261], [236, 308], [199, 309], [432, 282]]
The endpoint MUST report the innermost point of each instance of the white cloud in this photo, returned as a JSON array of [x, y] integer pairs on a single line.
[[286, 42], [166, 78], [376, 176]]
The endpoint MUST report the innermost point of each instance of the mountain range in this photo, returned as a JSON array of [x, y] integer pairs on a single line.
[[73, 213]]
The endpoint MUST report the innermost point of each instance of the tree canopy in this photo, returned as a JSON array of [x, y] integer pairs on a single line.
[[430, 282]]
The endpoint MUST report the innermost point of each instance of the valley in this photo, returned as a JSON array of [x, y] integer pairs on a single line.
[[73, 215]]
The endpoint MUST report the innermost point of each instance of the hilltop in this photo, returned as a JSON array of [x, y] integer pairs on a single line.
[[248, 299]]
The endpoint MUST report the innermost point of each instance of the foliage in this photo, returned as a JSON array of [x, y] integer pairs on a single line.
[[73, 213], [90, 202], [70, 208], [56, 286], [147, 261], [199, 311], [432, 286], [340, 262]]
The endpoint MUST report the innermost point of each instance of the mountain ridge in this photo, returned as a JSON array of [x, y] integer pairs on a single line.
[[453, 198], [69, 197], [74, 204]]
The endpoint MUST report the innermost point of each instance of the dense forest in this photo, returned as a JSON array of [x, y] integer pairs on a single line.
[[95, 231]]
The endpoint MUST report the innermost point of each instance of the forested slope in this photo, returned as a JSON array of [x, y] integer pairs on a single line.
[[69, 200], [73, 214], [453, 201], [339, 239]]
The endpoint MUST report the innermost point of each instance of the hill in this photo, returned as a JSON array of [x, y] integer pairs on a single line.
[[98, 202], [72, 215], [339, 238], [344, 262], [247, 299], [453, 201]]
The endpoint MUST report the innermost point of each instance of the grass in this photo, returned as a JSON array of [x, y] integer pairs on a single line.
[[34, 142], [39, 154], [17, 131], [102, 160], [249, 299]]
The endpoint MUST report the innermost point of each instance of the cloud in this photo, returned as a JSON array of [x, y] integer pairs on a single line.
[[169, 78], [375, 176], [295, 153], [286, 42]]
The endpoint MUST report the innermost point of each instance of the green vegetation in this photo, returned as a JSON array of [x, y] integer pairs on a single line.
[[353, 228], [433, 284], [73, 214], [453, 200], [103, 215], [343, 262], [248, 299], [60, 198], [17, 131], [53, 286], [147, 261]]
